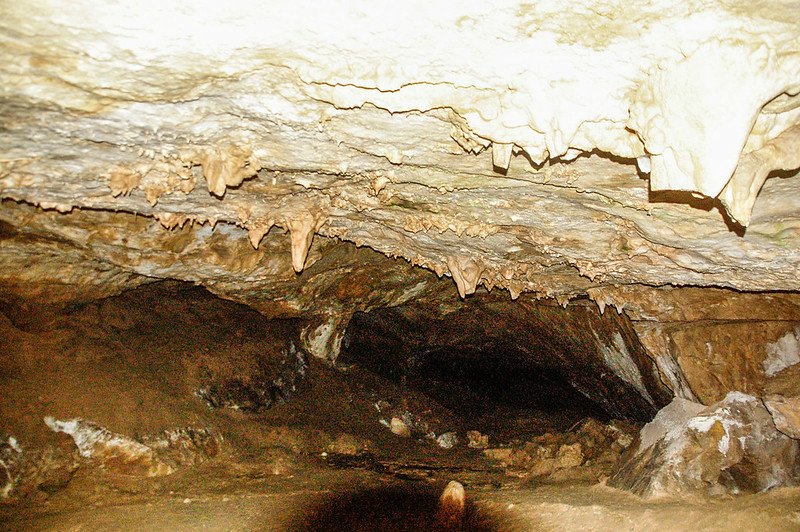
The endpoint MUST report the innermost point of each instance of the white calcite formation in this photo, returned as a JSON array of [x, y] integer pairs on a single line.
[[152, 455], [545, 147], [111, 450]]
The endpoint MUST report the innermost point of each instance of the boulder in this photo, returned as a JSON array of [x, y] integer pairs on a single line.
[[729, 447]]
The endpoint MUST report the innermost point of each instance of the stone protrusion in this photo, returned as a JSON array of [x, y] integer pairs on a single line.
[[563, 300], [729, 447], [466, 273], [501, 155], [604, 297], [226, 167], [451, 506], [122, 181], [302, 228], [702, 143], [323, 336], [257, 229], [782, 399], [378, 184], [739, 195], [110, 449], [171, 220]]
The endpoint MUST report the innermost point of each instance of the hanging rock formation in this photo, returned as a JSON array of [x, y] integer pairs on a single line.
[[497, 146]]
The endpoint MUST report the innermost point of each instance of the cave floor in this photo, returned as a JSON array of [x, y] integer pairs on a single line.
[[320, 458], [224, 500]]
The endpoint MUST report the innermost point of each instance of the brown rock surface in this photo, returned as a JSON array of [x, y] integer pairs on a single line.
[[708, 342], [782, 399]]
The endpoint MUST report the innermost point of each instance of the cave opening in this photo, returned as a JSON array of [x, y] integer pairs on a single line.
[[493, 385], [510, 369]]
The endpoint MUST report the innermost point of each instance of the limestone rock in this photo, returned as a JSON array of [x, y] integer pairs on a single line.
[[10, 460], [783, 353], [184, 446], [25, 470], [675, 414], [542, 164], [569, 456], [587, 453], [476, 440], [782, 399], [708, 342], [282, 162], [349, 445], [397, 426], [785, 413], [729, 447], [447, 440], [450, 514], [110, 450], [508, 457]]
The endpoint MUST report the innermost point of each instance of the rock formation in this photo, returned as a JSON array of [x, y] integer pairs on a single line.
[[730, 447], [316, 163]]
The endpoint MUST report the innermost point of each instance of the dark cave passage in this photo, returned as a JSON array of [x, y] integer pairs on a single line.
[[489, 388], [190, 397], [496, 364], [493, 379]]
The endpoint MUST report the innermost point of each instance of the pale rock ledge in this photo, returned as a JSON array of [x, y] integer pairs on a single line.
[[438, 132]]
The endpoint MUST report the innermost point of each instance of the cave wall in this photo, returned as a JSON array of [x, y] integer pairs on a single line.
[[323, 162], [704, 342], [708, 342]]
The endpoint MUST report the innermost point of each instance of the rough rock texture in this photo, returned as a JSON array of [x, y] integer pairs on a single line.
[[605, 150], [595, 446], [496, 146], [153, 455], [782, 399], [24, 471], [729, 447], [109, 449], [708, 342], [597, 355]]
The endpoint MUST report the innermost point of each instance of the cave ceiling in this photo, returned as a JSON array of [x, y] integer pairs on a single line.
[[559, 152]]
